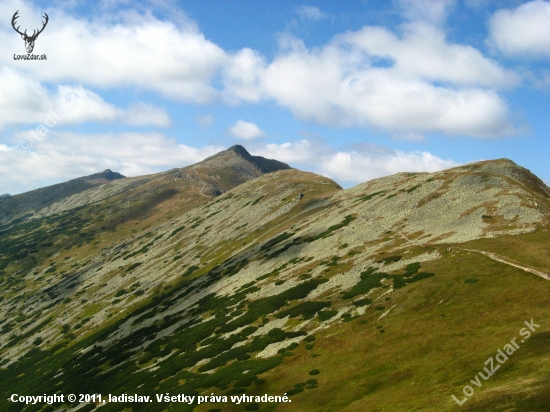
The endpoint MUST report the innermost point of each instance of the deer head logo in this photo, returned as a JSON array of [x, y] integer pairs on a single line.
[[29, 40]]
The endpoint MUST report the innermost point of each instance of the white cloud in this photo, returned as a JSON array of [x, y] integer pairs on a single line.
[[341, 84], [310, 12], [408, 83], [348, 166], [127, 50], [524, 30], [77, 105], [423, 52], [63, 156], [25, 101], [242, 76], [298, 152], [433, 11], [355, 166], [245, 130]]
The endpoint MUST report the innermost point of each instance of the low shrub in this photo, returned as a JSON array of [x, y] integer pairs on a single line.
[[294, 391], [369, 279], [369, 197], [306, 309], [390, 259], [325, 315], [362, 302]]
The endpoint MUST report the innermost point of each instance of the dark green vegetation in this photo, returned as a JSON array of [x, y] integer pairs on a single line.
[[256, 289], [306, 309], [369, 197], [110, 369], [326, 314]]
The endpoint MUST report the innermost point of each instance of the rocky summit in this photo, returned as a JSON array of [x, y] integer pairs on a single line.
[[242, 277]]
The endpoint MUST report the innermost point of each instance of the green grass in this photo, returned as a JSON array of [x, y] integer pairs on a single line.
[[422, 348], [369, 197], [439, 333]]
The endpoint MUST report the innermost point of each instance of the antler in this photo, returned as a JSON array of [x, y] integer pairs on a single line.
[[43, 26], [15, 16], [34, 33]]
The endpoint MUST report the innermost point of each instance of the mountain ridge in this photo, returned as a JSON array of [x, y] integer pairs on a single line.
[[37, 199], [237, 293], [235, 166]]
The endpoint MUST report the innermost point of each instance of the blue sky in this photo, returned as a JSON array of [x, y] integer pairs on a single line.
[[352, 90]]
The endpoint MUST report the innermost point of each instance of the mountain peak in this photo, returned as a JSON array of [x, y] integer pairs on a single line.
[[38, 199], [107, 174], [242, 152], [262, 164], [237, 148]]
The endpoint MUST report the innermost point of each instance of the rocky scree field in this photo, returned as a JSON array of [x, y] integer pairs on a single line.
[[373, 298]]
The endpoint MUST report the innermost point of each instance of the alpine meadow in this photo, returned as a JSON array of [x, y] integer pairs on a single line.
[[240, 275], [274, 206]]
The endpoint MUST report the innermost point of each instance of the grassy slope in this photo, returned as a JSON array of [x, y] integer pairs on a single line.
[[420, 360], [430, 350]]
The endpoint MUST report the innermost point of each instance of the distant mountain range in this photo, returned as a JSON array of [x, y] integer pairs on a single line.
[[214, 176], [241, 275]]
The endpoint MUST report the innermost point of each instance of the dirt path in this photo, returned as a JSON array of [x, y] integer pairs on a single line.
[[203, 182], [490, 255], [508, 262]]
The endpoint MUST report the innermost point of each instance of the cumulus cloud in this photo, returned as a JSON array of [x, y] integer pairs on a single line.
[[64, 156], [127, 50], [407, 83], [25, 101], [524, 30], [433, 11], [355, 166], [245, 130], [424, 85], [422, 52], [310, 12], [348, 166], [242, 76]]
